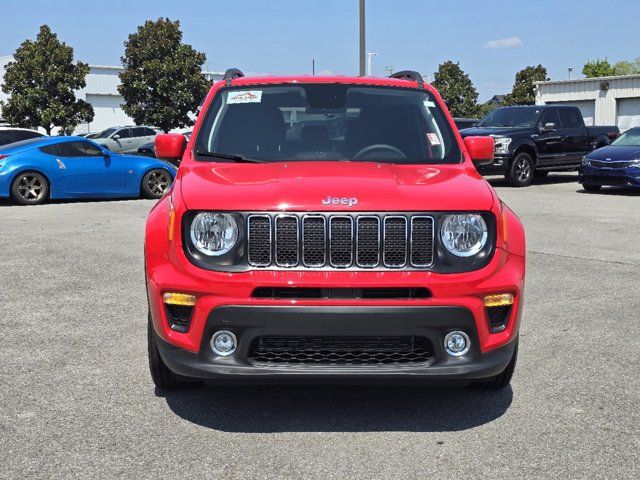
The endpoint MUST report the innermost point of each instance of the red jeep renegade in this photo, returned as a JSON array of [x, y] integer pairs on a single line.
[[331, 229]]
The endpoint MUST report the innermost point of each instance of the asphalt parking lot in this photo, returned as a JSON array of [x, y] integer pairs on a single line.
[[76, 399]]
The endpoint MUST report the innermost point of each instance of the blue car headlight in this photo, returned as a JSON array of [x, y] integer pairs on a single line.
[[585, 161]]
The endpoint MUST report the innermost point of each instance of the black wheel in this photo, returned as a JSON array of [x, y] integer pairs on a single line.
[[540, 174], [163, 378], [521, 171], [156, 183], [30, 188], [503, 379], [591, 187]]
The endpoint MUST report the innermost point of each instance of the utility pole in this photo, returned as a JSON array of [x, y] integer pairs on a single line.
[[362, 39], [570, 70], [313, 66], [369, 55]]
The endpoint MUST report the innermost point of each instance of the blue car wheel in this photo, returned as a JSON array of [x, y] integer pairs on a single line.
[[156, 183], [30, 188]]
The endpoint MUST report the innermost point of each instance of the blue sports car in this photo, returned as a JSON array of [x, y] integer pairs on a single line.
[[35, 170], [616, 164]]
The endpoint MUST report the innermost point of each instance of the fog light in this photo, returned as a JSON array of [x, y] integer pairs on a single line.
[[223, 343], [457, 343]]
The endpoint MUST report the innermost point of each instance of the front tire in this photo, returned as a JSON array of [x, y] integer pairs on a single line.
[[162, 377], [592, 187], [30, 188], [503, 379], [521, 171], [156, 183]]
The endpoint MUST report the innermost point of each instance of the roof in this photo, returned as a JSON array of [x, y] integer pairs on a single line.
[[591, 79], [9, 127], [340, 79]]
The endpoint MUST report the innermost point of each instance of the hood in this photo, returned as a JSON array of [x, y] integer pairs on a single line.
[[487, 131], [615, 154], [331, 186]]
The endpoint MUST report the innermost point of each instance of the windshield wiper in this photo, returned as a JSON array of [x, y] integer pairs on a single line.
[[227, 156]]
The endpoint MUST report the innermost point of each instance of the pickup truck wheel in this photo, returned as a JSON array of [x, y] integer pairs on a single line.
[[520, 172], [540, 173], [592, 187], [503, 379], [162, 377]]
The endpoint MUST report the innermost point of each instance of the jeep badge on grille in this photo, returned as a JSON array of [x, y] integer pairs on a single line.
[[348, 201]]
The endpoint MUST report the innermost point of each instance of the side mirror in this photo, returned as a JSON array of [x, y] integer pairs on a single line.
[[116, 137], [480, 149], [548, 127], [170, 146]]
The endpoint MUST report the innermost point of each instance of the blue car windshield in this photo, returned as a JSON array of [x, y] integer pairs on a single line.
[[629, 138]]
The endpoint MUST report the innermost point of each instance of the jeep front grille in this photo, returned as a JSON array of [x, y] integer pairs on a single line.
[[339, 241]]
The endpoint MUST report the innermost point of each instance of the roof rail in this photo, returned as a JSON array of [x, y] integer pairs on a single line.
[[230, 74], [409, 75]]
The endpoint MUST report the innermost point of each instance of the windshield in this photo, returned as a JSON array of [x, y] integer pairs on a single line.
[[105, 133], [327, 122], [511, 117], [629, 138]]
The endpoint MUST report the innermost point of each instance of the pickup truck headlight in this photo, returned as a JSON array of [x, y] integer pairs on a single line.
[[464, 234], [214, 234], [502, 144]]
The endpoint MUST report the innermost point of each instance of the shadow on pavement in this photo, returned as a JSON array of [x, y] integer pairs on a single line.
[[268, 409], [615, 191], [552, 178]]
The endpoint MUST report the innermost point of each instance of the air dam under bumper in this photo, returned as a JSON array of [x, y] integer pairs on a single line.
[[250, 322]]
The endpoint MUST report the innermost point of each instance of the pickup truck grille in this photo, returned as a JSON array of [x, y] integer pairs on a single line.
[[339, 241]]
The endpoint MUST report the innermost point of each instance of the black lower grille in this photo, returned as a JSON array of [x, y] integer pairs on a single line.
[[605, 180], [367, 293], [340, 351], [179, 317]]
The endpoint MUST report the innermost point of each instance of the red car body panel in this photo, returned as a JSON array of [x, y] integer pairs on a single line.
[[301, 186]]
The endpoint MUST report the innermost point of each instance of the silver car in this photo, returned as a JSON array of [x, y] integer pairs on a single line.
[[126, 139]]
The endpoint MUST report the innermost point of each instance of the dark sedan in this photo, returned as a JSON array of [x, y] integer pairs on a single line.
[[617, 164]]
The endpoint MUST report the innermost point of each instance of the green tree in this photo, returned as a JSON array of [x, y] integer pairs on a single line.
[[41, 82], [522, 92], [162, 81], [627, 68], [457, 89], [597, 68]]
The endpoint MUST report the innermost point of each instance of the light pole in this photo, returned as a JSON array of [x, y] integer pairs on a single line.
[[369, 55], [389, 69], [570, 70], [362, 39]]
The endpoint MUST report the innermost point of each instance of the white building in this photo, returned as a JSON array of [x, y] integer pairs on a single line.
[[602, 101], [102, 93]]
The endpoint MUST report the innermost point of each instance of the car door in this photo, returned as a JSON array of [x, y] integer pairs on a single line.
[[88, 170], [577, 141], [123, 140], [550, 141], [140, 136]]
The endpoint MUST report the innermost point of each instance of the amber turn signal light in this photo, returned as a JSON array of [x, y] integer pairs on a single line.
[[499, 300], [182, 299]]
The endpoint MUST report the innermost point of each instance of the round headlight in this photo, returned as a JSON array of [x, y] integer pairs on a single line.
[[464, 234], [214, 234]]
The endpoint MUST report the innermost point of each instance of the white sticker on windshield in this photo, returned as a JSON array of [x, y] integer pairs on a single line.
[[245, 96], [429, 104], [433, 139]]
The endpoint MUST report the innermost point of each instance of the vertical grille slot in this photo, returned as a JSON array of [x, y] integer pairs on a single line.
[[421, 241], [367, 241], [314, 242], [395, 241], [340, 241], [259, 239], [287, 241]]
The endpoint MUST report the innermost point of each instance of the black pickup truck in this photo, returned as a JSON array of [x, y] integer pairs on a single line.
[[532, 141]]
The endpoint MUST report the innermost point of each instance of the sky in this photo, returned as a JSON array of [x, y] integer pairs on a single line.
[[491, 39]]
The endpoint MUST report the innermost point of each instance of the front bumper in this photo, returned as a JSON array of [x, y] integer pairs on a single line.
[[622, 177], [251, 322], [498, 166]]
